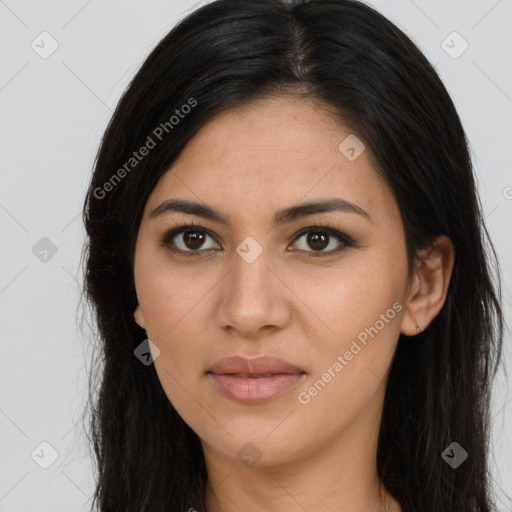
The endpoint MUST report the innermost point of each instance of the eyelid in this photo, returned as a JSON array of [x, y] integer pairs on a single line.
[[325, 227]]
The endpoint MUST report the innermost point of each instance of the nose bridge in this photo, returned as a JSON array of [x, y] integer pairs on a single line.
[[251, 275], [252, 297]]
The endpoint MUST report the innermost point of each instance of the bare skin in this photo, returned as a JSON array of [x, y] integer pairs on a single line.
[[314, 451]]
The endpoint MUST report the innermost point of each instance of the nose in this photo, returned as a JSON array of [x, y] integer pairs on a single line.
[[253, 298]]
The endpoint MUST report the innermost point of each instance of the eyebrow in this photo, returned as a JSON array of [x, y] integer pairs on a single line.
[[284, 216]]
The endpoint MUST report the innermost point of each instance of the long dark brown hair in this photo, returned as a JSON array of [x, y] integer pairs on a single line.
[[378, 82]]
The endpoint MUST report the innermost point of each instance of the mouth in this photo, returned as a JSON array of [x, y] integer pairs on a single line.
[[254, 381]]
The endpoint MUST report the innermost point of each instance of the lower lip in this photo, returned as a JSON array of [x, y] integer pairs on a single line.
[[255, 390]]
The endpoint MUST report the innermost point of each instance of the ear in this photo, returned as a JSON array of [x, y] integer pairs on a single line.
[[139, 317], [430, 285]]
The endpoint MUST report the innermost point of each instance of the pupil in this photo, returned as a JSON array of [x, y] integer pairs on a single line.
[[194, 240], [313, 240]]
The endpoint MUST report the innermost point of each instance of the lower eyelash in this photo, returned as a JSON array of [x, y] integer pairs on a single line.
[[325, 227]]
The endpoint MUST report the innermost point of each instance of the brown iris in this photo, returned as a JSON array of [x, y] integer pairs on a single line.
[[318, 240]]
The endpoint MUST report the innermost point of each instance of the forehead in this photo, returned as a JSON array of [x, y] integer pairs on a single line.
[[272, 152]]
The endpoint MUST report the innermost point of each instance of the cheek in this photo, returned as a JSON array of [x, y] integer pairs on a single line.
[[355, 328], [170, 295], [341, 303]]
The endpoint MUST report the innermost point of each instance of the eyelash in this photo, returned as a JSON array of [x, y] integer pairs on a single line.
[[326, 228]]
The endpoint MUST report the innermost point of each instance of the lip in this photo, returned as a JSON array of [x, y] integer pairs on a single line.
[[261, 365], [253, 381]]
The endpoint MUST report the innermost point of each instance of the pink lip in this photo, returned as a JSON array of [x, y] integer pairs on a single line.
[[252, 381], [257, 366], [254, 390]]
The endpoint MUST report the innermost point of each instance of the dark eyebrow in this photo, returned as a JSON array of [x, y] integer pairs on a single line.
[[281, 217]]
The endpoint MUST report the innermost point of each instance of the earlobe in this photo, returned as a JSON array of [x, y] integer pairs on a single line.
[[431, 281], [139, 317]]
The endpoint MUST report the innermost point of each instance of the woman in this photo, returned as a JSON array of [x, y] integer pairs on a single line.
[[287, 264]]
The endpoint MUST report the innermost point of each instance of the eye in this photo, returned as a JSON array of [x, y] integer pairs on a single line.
[[187, 240], [320, 238]]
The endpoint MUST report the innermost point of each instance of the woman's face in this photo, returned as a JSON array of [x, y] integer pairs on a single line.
[[253, 286]]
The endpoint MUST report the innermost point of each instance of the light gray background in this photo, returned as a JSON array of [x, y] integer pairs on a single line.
[[53, 112]]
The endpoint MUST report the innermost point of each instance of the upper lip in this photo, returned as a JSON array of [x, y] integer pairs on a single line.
[[262, 365]]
